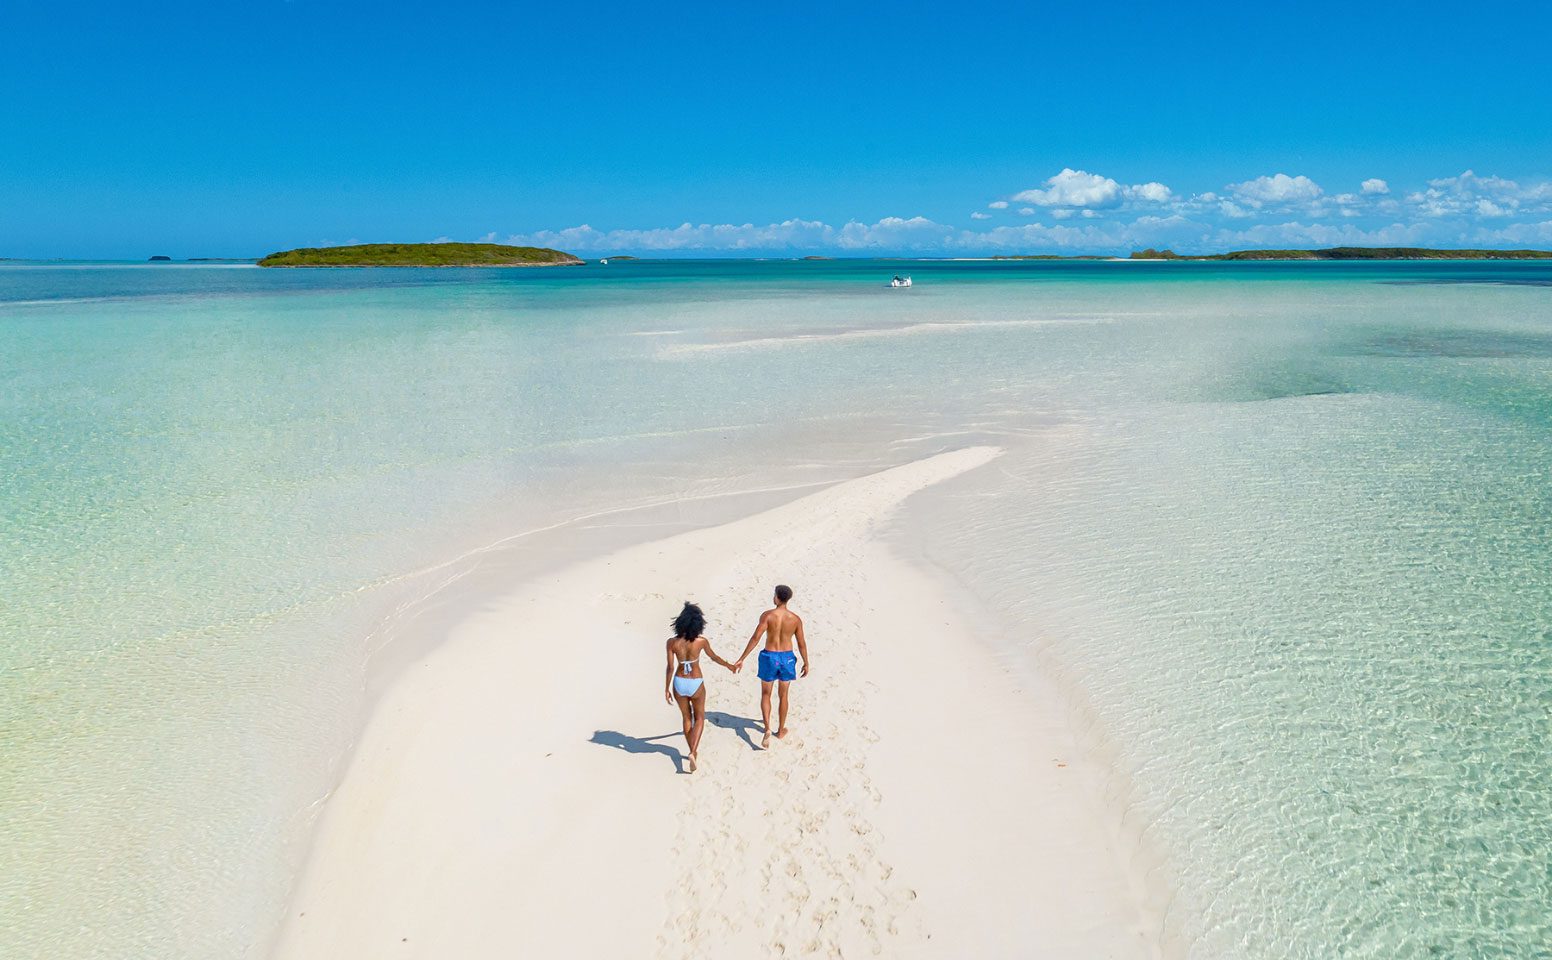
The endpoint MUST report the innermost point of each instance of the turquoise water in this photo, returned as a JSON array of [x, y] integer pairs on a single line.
[[1280, 529]]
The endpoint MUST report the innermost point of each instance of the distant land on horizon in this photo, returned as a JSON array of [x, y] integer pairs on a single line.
[[421, 255], [1324, 253], [501, 255], [1349, 253], [1059, 256]]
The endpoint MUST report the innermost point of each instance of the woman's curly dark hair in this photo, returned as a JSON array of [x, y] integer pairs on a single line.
[[690, 623]]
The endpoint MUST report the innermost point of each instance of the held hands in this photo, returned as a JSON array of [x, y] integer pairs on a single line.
[[736, 666]]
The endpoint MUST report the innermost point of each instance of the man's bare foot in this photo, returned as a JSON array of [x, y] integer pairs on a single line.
[[782, 733], [765, 742]]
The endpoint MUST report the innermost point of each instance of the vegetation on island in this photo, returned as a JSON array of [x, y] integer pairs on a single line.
[[620, 256], [1350, 253], [421, 255]]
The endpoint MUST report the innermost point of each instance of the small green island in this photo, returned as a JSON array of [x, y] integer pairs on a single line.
[[421, 255]]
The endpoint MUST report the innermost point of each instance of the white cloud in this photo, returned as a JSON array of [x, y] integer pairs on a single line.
[[1079, 189], [890, 232], [915, 232], [1038, 236], [1097, 235], [1074, 188], [1519, 233], [1278, 189], [1348, 205], [686, 236], [1080, 211], [1469, 182], [1152, 192], [1470, 194], [1295, 234]]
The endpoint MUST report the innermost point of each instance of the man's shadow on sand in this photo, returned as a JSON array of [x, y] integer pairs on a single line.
[[743, 726]]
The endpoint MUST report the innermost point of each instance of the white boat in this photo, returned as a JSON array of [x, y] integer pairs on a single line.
[[900, 282], [604, 261]]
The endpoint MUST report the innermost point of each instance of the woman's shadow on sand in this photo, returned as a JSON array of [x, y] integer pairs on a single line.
[[743, 726]]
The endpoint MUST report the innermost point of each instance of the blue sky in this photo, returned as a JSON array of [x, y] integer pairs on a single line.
[[234, 129]]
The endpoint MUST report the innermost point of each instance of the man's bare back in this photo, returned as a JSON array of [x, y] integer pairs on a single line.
[[781, 629], [780, 626]]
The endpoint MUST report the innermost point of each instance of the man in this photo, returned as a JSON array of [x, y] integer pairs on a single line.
[[780, 627]]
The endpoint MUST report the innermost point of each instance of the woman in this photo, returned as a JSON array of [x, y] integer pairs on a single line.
[[683, 683]]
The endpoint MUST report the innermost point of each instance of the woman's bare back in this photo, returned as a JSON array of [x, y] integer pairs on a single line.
[[688, 654]]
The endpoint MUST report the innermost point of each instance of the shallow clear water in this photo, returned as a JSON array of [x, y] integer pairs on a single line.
[[1281, 529]]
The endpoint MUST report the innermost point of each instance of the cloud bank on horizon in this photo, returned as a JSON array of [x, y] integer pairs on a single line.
[[1077, 211]]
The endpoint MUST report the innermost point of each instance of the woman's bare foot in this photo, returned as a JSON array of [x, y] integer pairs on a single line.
[[692, 763]]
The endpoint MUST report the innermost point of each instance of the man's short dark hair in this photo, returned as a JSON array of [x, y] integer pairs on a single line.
[[783, 592]]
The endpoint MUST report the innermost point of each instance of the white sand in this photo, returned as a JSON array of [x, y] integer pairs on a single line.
[[516, 791]]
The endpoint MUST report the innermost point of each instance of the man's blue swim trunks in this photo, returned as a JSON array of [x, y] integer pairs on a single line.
[[778, 665]]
